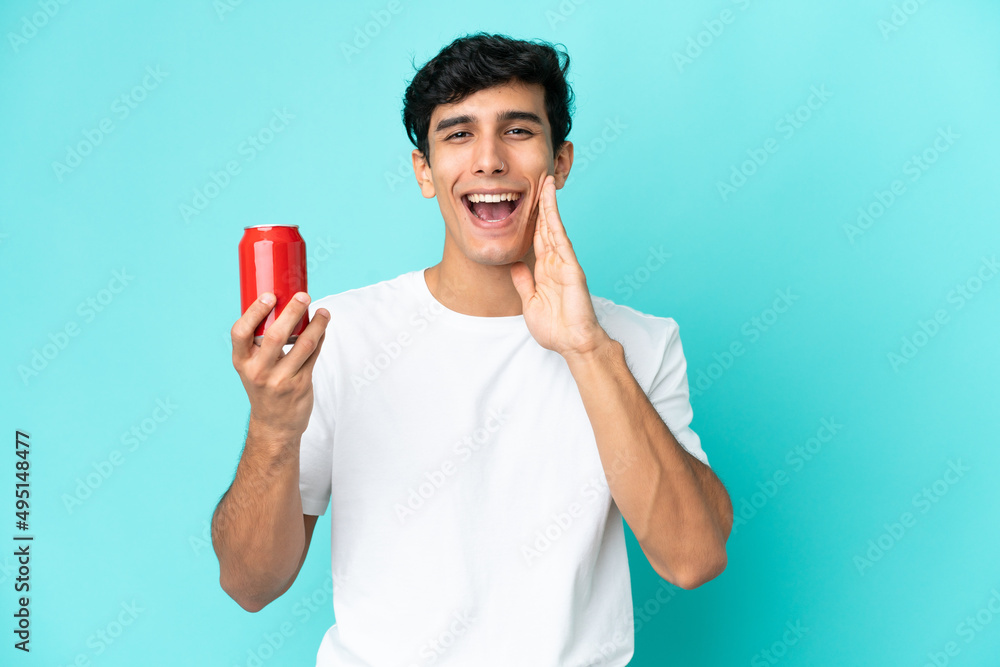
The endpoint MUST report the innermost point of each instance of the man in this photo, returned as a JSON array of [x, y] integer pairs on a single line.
[[475, 427]]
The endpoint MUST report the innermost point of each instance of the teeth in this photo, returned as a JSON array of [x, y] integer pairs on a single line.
[[506, 196]]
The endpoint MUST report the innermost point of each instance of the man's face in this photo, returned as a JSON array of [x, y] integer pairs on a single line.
[[467, 157]]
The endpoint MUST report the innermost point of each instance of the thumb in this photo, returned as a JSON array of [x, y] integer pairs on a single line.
[[523, 281]]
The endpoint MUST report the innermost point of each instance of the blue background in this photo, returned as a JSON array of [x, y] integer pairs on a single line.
[[655, 135]]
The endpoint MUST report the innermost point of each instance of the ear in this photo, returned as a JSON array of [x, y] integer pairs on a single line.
[[423, 173], [564, 160]]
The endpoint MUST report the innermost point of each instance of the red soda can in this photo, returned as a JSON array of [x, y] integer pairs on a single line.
[[272, 259]]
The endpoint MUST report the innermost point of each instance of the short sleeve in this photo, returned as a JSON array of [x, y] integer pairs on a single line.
[[316, 450], [669, 392]]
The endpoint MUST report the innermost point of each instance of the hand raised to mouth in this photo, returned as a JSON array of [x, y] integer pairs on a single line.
[[556, 302]]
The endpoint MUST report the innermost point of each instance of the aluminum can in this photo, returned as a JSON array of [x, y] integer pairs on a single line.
[[272, 259]]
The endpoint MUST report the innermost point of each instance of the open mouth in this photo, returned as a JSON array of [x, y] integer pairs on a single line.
[[492, 213]]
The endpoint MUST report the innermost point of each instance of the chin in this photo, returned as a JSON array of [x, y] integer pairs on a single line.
[[496, 256]]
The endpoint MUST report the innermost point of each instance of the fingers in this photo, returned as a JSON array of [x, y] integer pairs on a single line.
[[276, 335], [304, 352], [543, 212], [552, 222], [523, 281], [537, 241], [307, 367], [558, 240], [540, 235], [242, 331]]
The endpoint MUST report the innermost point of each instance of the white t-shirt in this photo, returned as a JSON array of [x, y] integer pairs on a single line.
[[472, 522]]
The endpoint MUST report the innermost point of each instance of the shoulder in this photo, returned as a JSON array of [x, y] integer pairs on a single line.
[[651, 343], [631, 327]]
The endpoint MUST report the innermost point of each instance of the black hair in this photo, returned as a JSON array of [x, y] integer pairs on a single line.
[[479, 61]]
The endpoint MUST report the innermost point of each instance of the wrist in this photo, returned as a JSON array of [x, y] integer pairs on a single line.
[[600, 350], [268, 437]]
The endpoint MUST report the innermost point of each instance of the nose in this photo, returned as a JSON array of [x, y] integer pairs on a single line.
[[493, 166], [489, 161]]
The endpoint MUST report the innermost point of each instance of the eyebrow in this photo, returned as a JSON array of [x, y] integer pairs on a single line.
[[509, 114]]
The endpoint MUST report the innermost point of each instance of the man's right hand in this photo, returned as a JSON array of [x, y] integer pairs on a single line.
[[279, 385]]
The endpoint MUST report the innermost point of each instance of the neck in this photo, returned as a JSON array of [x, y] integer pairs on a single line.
[[480, 290]]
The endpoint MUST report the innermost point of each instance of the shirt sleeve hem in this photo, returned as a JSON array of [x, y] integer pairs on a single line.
[[314, 506]]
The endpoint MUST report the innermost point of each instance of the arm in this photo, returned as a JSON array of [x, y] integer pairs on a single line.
[[259, 532], [678, 509], [676, 506]]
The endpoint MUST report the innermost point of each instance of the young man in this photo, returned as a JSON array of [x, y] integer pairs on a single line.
[[480, 427]]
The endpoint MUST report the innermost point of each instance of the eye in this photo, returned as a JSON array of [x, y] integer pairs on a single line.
[[517, 129]]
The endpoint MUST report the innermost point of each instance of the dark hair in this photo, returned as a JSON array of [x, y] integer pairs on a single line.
[[479, 61]]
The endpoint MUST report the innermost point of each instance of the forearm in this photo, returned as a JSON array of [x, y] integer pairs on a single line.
[[674, 504], [257, 528]]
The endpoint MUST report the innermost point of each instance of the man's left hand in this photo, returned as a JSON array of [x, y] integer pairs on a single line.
[[556, 302]]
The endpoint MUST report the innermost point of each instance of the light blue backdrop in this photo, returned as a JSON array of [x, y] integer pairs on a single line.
[[844, 367]]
